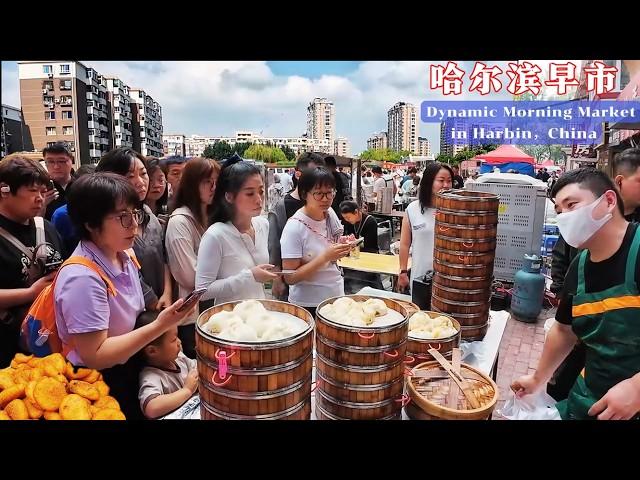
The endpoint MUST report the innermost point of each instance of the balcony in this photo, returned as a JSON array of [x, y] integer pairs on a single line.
[[66, 103], [95, 153], [103, 128]]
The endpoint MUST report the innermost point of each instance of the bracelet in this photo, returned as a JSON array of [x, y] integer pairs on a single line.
[[404, 271]]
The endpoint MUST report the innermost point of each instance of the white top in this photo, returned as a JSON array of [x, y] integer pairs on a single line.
[[299, 241], [286, 181], [380, 183], [225, 260], [422, 238]]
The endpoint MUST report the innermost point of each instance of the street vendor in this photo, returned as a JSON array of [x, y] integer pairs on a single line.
[[599, 304]]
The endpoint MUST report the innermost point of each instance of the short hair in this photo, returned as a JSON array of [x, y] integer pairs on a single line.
[[627, 162], [147, 318], [320, 177], [58, 147], [412, 170], [330, 161], [376, 169], [166, 162], [309, 157], [596, 181], [85, 169], [92, 197], [348, 206], [20, 171]]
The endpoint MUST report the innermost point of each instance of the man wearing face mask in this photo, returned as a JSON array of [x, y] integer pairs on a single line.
[[627, 178], [599, 305]]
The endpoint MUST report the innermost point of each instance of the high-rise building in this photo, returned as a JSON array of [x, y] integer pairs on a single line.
[[378, 141], [424, 146], [15, 136], [120, 118], [342, 147], [98, 116], [447, 144], [147, 123], [321, 122], [402, 129], [174, 145]]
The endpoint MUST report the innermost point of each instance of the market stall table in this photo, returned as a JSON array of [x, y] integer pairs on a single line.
[[374, 263]]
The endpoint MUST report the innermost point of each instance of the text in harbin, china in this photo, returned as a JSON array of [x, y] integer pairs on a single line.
[[522, 77]]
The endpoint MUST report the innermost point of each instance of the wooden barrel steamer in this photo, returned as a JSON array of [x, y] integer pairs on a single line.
[[360, 370], [465, 243], [266, 380], [418, 348]]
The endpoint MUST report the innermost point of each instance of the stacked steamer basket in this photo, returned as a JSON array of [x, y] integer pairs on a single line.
[[418, 347], [465, 242], [360, 370], [254, 381]]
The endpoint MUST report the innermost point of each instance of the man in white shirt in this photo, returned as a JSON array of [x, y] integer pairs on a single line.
[[286, 181]]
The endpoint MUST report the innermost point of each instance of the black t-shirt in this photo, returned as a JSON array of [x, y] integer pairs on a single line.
[[292, 205], [457, 181], [598, 276], [369, 231], [58, 202]]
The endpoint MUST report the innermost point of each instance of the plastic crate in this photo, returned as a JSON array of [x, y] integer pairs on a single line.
[[520, 224], [551, 229], [548, 242]]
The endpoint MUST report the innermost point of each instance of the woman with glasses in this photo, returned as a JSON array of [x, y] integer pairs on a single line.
[[233, 261], [98, 326], [310, 243], [158, 194], [185, 228], [149, 241]]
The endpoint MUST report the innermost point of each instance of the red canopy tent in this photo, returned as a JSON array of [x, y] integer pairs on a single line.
[[506, 157]]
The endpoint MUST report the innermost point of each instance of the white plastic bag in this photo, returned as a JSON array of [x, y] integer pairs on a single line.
[[538, 406]]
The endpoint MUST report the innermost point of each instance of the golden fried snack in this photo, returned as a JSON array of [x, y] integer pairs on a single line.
[[6, 380], [100, 377], [52, 416], [102, 387], [34, 362], [92, 377], [22, 358], [10, 394], [50, 370], [17, 410], [48, 394], [75, 407], [29, 390], [84, 389], [57, 360], [14, 364], [22, 376], [109, 414], [106, 402], [37, 373], [4, 416], [34, 412]]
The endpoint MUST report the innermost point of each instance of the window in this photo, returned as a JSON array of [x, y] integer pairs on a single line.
[[49, 115], [89, 103], [67, 130], [116, 123], [65, 84], [51, 131], [47, 69], [65, 69], [48, 85], [67, 115]]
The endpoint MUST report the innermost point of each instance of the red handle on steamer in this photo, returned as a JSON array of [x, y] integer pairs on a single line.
[[392, 355], [217, 384], [365, 337]]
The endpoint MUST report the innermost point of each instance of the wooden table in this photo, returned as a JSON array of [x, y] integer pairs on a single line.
[[373, 263]]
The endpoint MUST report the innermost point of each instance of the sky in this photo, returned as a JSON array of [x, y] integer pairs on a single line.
[[218, 98]]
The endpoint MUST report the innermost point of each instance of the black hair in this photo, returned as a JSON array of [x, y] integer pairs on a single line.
[[596, 181], [426, 183], [348, 206], [627, 162], [19, 171], [146, 318], [376, 169], [303, 163], [119, 160], [153, 164], [232, 178], [197, 170], [58, 147], [92, 197], [412, 170], [318, 177], [330, 161], [85, 169]]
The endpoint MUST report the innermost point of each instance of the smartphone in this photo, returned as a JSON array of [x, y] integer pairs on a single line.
[[191, 299], [357, 243], [282, 272], [51, 186]]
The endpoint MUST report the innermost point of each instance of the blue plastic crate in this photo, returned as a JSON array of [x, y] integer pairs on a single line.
[[551, 229], [548, 242]]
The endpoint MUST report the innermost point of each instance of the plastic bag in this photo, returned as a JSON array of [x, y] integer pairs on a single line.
[[538, 406], [473, 352]]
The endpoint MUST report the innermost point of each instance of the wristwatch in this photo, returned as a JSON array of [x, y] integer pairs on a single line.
[[403, 271]]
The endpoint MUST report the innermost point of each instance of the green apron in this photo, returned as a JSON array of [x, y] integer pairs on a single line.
[[608, 323]]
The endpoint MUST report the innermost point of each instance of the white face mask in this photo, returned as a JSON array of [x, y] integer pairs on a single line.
[[578, 226]]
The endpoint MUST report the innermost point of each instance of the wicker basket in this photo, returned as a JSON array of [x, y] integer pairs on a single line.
[[438, 396]]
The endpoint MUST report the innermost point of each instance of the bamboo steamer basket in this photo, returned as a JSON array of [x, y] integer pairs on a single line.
[[460, 294], [478, 245], [454, 281], [453, 307], [262, 379], [465, 258], [457, 217], [467, 200], [466, 231], [418, 348], [360, 370], [438, 397], [473, 326], [460, 270], [301, 411], [471, 333], [322, 414]]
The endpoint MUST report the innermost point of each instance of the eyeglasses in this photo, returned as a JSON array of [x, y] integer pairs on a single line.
[[59, 163], [127, 218], [319, 196]]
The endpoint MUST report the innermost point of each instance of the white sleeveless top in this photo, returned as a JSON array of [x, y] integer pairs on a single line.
[[422, 238]]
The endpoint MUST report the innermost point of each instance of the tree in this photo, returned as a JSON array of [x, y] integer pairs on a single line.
[[265, 154], [241, 148], [384, 155], [288, 152], [444, 158], [218, 151]]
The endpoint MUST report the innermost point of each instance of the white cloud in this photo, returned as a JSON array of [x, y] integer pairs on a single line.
[[218, 98]]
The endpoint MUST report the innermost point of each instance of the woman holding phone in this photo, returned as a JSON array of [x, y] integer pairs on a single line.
[[233, 260], [309, 243]]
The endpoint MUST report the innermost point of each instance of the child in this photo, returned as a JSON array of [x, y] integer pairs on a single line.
[[168, 378]]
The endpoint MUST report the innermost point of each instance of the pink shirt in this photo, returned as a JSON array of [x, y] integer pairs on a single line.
[[81, 301]]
